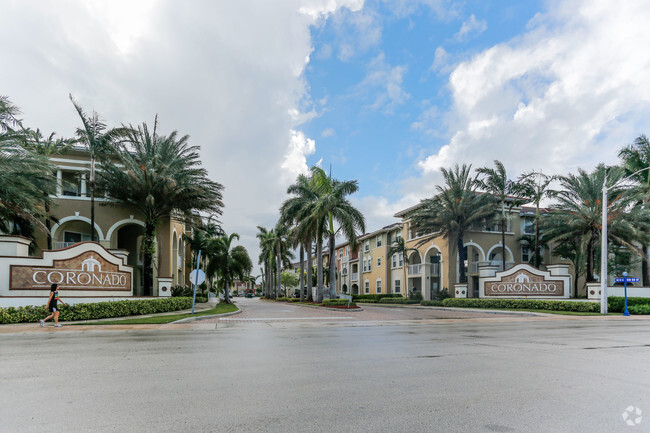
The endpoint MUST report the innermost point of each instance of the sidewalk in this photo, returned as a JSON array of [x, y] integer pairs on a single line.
[[78, 325]]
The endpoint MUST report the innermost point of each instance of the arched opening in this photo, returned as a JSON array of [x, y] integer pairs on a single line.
[[174, 255], [355, 289], [344, 289], [434, 262], [415, 272], [71, 232]]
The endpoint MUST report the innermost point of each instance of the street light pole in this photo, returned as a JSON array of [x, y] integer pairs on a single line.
[[603, 253], [603, 241]]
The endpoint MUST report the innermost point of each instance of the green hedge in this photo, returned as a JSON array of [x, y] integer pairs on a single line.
[[285, 299], [616, 304], [639, 309], [432, 303], [376, 298], [528, 304], [398, 301], [98, 310], [336, 302]]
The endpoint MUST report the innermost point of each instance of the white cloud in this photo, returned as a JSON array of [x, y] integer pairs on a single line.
[[329, 132], [295, 160], [386, 81], [569, 92], [471, 26], [229, 74]]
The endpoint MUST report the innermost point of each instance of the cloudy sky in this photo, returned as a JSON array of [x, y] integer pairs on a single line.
[[385, 92]]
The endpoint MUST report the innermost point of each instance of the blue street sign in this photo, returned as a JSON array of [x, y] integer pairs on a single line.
[[628, 280]]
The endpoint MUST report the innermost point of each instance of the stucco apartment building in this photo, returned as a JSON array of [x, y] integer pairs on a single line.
[[116, 227], [434, 264]]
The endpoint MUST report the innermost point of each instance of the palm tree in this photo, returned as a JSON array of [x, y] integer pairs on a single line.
[[339, 214], [535, 187], [455, 208], [636, 159], [295, 212], [47, 147], [399, 247], [228, 261], [281, 251], [98, 141], [266, 256], [159, 176], [495, 181], [578, 214], [26, 180]]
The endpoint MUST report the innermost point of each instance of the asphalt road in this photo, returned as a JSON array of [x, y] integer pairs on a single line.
[[499, 374]]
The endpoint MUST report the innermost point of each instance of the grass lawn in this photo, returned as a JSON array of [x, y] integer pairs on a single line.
[[219, 309]]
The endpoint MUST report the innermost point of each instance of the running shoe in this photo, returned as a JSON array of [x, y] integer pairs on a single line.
[[42, 323], [58, 326]]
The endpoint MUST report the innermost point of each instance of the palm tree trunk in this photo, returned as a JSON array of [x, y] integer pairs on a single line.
[[301, 277], [644, 267], [319, 270], [92, 198], [278, 261], [461, 260], [503, 242], [536, 257], [227, 290], [590, 260], [47, 225], [332, 267], [148, 248], [310, 270]]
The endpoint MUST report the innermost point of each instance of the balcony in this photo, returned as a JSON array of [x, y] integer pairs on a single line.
[[414, 270], [474, 266], [59, 245]]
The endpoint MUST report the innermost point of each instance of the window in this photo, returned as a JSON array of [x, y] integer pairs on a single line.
[[401, 259], [379, 262], [72, 237], [394, 260], [366, 246], [378, 286], [367, 264], [525, 254], [71, 183], [529, 226], [367, 286], [378, 241], [398, 286]]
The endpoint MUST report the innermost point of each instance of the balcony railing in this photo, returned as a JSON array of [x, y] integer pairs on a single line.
[[415, 269], [59, 245], [473, 266]]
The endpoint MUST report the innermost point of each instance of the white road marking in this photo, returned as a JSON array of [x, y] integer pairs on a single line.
[[284, 318]]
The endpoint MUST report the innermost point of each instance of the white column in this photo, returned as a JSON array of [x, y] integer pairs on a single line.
[[59, 182], [603, 253], [83, 184]]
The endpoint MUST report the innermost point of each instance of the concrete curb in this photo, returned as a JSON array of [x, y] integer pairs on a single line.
[[322, 308], [480, 310], [208, 316]]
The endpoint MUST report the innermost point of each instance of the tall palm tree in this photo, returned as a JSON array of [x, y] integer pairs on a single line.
[[26, 180], [227, 260], [636, 159], [506, 192], [455, 208], [47, 147], [578, 211], [535, 186], [267, 248], [295, 212], [399, 247], [160, 177], [281, 251], [99, 141]]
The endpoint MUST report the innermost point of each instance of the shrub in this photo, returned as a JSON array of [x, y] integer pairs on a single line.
[[376, 298], [441, 295], [98, 310], [432, 303], [528, 304], [639, 309], [398, 301], [616, 304], [337, 302], [416, 296], [182, 291], [201, 299]]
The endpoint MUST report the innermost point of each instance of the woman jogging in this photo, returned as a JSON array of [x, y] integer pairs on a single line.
[[52, 305]]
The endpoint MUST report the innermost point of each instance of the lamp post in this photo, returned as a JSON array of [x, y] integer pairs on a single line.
[[603, 241]]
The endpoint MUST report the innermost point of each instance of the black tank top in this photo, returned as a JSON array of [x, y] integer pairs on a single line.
[[54, 300]]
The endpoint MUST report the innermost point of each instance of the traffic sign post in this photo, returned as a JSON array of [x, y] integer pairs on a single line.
[[626, 280], [198, 276]]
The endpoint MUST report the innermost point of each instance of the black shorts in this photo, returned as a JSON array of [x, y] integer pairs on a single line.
[[52, 309]]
